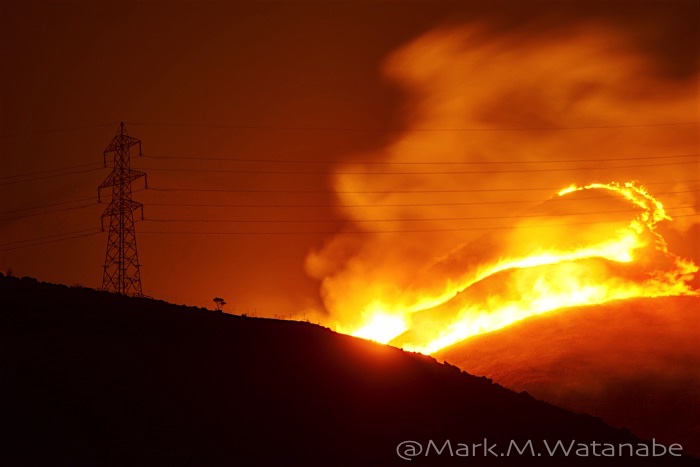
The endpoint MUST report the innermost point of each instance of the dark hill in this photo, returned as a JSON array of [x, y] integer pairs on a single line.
[[635, 363], [90, 378]]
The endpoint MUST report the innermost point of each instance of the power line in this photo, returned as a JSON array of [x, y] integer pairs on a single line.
[[249, 172], [92, 232], [51, 170], [51, 236], [276, 206], [358, 162], [48, 212], [456, 172], [74, 200], [47, 205], [51, 176], [231, 190], [49, 241], [475, 203], [362, 232], [471, 203], [427, 219], [351, 129], [402, 130], [57, 130], [309, 161], [488, 190]]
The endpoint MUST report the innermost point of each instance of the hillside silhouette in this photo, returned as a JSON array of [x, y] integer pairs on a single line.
[[92, 378], [635, 363]]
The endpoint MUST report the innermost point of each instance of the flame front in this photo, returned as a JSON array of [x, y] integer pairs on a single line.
[[558, 278], [434, 276], [381, 326]]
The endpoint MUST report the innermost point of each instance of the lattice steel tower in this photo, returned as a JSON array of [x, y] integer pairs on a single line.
[[121, 269]]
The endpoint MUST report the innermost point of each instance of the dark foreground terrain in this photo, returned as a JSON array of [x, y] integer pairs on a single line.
[[635, 363], [90, 378]]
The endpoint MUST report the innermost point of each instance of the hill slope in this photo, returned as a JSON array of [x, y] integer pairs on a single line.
[[91, 378], [635, 363]]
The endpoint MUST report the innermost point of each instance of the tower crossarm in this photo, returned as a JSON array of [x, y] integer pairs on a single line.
[[114, 179]]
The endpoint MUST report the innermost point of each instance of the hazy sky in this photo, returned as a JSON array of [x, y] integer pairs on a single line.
[[274, 84]]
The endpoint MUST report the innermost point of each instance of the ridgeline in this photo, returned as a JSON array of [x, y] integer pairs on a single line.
[[93, 378]]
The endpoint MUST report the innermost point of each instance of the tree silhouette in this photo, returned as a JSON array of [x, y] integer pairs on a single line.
[[220, 302]]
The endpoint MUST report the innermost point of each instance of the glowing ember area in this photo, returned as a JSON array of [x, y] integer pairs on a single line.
[[546, 280], [381, 327]]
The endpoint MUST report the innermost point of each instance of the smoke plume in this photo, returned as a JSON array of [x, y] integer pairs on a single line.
[[525, 114]]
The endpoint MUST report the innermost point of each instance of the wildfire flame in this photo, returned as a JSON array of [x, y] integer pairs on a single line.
[[579, 286], [381, 326], [469, 91]]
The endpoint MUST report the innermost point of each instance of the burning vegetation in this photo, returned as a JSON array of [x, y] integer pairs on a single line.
[[465, 241]]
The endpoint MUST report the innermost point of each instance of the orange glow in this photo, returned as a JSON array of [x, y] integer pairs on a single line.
[[476, 243], [381, 326], [561, 279]]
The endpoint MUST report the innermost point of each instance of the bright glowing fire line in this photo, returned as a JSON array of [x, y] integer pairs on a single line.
[[383, 326]]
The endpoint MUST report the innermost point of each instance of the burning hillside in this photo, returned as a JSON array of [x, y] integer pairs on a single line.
[[464, 239], [624, 262]]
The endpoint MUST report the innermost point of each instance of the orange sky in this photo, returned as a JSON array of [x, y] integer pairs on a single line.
[[304, 81]]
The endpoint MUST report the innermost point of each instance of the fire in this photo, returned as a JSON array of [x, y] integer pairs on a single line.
[[381, 327], [518, 112], [562, 278]]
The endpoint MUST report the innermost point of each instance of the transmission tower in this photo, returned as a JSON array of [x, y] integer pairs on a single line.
[[121, 269]]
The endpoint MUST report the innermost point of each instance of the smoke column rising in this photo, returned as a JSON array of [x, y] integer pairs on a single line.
[[581, 77]]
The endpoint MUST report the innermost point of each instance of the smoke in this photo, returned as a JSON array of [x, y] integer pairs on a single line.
[[461, 85]]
